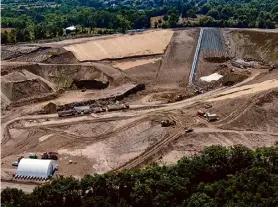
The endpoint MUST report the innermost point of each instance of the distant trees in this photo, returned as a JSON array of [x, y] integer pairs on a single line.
[[47, 22], [165, 18], [219, 176]]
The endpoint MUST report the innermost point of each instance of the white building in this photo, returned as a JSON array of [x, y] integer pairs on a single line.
[[35, 168], [71, 28]]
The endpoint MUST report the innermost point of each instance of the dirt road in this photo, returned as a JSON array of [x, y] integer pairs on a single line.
[[210, 130]]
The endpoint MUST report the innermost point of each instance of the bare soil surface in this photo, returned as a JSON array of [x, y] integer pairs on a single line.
[[147, 43], [176, 63], [123, 65], [256, 45], [244, 99]]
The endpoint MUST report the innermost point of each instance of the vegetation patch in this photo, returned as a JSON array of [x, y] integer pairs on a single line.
[[219, 176]]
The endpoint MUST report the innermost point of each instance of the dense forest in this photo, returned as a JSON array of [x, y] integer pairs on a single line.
[[218, 177], [34, 20]]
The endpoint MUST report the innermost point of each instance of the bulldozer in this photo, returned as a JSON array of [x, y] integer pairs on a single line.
[[167, 122]]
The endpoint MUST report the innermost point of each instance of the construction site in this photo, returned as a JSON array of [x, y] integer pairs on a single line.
[[121, 102]]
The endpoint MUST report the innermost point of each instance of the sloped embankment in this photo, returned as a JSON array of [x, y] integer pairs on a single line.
[[19, 85], [256, 45], [22, 53]]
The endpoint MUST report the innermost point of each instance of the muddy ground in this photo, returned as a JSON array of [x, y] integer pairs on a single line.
[[133, 138]]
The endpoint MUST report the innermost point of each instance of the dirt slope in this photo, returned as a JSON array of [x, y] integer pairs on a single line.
[[147, 43], [22, 53], [23, 84], [257, 45], [176, 63]]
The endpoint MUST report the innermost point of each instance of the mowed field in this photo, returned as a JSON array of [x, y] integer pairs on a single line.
[[147, 43]]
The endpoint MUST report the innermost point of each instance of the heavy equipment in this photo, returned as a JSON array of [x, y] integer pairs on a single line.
[[167, 122], [50, 156]]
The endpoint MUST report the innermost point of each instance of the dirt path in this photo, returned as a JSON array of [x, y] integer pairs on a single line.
[[245, 90]]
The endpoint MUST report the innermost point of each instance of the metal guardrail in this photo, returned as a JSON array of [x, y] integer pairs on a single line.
[[196, 58], [210, 43]]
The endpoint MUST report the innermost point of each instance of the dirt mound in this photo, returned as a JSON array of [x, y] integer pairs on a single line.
[[216, 58], [37, 54], [62, 57], [24, 89], [267, 98], [233, 78], [10, 52], [62, 76], [113, 95], [50, 108], [172, 96], [255, 45], [19, 85]]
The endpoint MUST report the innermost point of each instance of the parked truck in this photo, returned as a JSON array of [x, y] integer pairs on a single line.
[[50, 156]]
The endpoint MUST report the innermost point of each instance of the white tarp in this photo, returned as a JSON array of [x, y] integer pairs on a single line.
[[212, 77]]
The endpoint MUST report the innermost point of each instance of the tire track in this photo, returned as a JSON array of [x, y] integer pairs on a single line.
[[150, 152]]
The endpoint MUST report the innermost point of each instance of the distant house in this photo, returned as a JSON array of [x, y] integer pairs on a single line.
[[133, 31], [70, 29]]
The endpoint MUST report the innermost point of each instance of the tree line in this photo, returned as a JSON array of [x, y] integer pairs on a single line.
[[47, 22], [218, 177]]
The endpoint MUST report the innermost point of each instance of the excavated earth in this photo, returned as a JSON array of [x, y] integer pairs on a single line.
[[155, 86]]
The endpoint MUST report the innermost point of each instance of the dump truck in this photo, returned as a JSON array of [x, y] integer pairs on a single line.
[[200, 113], [167, 122], [50, 156]]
